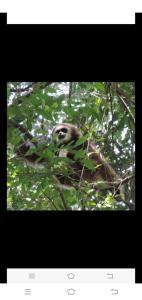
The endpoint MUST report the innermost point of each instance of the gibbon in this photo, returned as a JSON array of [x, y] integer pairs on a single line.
[[66, 138], [67, 134]]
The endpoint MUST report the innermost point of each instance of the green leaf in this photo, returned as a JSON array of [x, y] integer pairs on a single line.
[[79, 154], [88, 164], [99, 86], [81, 140]]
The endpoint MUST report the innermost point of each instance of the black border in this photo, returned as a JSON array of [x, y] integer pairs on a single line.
[[71, 52], [3, 143], [71, 239]]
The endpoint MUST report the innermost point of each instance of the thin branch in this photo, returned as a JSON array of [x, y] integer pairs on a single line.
[[50, 200], [70, 89], [112, 184], [59, 189], [63, 199], [22, 129], [20, 98], [126, 108], [124, 94], [126, 179], [21, 90], [26, 89], [81, 176]]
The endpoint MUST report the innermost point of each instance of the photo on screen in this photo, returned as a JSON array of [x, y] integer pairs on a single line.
[[71, 146]]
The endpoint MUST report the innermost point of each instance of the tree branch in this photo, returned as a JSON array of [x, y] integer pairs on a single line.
[[63, 200], [19, 98], [22, 129], [126, 106], [111, 184], [21, 90]]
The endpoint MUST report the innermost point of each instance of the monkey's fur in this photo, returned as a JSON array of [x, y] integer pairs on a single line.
[[63, 134]]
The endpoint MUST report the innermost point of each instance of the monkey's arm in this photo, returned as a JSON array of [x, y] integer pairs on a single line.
[[103, 169], [26, 144]]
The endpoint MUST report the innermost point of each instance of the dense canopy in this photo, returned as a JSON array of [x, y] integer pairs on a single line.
[[105, 114]]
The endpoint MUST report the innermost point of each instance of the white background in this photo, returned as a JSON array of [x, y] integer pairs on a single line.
[[80, 275], [71, 11], [81, 292]]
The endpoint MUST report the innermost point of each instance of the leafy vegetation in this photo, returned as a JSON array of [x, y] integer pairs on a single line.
[[104, 112]]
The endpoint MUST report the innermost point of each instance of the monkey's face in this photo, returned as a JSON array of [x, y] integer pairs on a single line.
[[62, 134]]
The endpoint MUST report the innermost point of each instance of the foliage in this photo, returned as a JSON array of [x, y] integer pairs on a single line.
[[104, 112]]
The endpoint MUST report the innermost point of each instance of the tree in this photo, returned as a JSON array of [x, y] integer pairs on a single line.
[[104, 111]]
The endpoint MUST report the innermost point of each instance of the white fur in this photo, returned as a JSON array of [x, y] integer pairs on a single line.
[[63, 153], [67, 138]]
